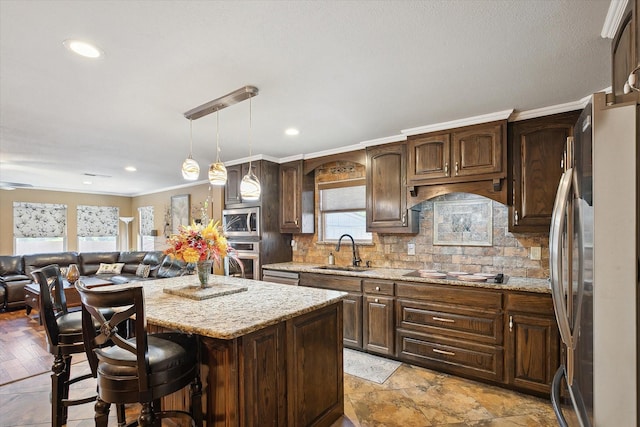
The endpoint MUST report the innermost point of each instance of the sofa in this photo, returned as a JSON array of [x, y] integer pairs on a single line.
[[15, 271]]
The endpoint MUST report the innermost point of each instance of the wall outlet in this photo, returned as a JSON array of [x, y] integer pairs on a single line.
[[536, 253], [293, 243], [411, 248]]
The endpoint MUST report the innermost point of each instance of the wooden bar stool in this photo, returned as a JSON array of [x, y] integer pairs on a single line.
[[64, 339], [141, 369]]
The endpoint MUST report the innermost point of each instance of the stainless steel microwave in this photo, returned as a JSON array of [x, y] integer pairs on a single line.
[[241, 222]]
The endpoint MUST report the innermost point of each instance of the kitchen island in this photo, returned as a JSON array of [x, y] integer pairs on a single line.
[[271, 355]]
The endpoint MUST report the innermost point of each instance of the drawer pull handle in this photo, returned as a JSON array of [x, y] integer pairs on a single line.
[[377, 288], [442, 319], [447, 353], [510, 323]]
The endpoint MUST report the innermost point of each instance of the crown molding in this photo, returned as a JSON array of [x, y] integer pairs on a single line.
[[252, 159], [484, 118], [332, 151], [613, 18], [385, 140]]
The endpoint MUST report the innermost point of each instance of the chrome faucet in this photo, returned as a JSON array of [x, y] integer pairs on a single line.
[[356, 260]]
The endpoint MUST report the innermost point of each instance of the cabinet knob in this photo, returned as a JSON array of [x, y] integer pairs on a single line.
[[404, 218], [456, 168], [296, 221], [515, 217], [376, 300], [446, 168], [510, 323], [377, 288]]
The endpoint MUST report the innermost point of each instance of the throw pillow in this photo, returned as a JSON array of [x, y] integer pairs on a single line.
[[115, 268], [143, 270]]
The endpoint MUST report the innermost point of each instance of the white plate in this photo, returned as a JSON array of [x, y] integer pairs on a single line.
[[470, 278], [435, 275], [457, 273]]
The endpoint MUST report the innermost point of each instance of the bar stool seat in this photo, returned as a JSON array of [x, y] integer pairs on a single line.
[[141, 369]]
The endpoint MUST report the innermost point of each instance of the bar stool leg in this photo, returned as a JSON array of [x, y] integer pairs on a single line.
[[59, 381], [102, 413], [146, 418], [65, 389], [196, 401]]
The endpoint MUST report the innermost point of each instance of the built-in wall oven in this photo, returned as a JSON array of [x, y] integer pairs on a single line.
[[248, 254], [242, 223]]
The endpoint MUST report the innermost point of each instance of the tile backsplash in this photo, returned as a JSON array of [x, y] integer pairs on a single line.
[[509, 253]]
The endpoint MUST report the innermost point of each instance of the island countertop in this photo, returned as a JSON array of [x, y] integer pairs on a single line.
[[229, 316]]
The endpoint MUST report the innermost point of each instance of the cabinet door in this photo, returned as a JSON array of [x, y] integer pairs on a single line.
[[428, 158], [263, 363], [537, 147], [479, 151], [532, 354], [386, 190], [296, 199], [378, 324], [232, 187], [290, 195], [352, 321]]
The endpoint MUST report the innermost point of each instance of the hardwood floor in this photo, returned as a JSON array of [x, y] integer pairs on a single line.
[[412, 396]]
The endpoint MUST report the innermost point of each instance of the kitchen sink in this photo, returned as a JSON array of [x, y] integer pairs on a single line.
[[341, 268]]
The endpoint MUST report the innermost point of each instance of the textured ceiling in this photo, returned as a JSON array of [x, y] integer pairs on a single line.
[[342, 72]]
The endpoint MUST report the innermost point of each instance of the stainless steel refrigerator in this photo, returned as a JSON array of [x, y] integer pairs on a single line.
[[593, 268]]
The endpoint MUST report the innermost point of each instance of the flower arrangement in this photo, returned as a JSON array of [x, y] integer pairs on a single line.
[[198, 242]]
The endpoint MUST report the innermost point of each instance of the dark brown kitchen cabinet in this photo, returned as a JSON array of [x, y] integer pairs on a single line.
[[386, 204], [296, 199], [537, 149], [472, 153], [378, 322], [351, 304], [532, 353], [450, 329], [625, 50], [235, 174]]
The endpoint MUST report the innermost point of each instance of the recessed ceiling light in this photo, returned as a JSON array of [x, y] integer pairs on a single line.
[[130, 169], [87, 182], [292, 132], [82, 48]]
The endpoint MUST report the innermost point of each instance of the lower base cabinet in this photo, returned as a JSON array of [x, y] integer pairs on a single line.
[[532, 353]]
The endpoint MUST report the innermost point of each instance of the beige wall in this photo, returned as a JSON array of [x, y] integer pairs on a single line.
[[128, 206]]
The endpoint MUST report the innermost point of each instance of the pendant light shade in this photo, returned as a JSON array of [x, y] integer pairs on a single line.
[[217, 170], [250, 186], [190, 168]]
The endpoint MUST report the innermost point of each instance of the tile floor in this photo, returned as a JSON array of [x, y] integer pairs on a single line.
[[411, 397]]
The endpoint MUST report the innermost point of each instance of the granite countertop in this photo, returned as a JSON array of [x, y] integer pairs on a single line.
[[398, 275], [229, 316]]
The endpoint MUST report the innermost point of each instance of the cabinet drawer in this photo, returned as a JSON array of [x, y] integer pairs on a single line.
[[327, 281], [378, 287], [530, 303], [453, 356], [459, 322], [454, 295]]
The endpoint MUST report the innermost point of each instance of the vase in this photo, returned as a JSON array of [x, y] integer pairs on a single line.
[[204, 270]]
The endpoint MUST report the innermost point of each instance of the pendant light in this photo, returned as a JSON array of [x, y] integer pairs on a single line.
[[190, 168], [250, 186], [217, 170]]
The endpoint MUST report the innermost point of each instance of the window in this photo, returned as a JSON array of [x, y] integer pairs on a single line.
[[39, 227], [97, 228], [343, 211], [146, 240]]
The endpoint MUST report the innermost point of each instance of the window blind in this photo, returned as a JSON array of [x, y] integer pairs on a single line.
[[97, 221], [39, 220]]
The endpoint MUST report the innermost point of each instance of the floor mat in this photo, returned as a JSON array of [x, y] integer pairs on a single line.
[[368, 367]]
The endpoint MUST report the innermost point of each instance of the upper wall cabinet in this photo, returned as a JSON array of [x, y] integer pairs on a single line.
[[296, 199], [386, 191], [472, 153], [625, 49], [537, 149], [267, 174]]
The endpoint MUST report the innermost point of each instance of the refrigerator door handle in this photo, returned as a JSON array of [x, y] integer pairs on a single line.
[[555, 256]]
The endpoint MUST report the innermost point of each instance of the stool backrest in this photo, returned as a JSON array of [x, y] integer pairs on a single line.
[[127, 303], [53, 302]]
